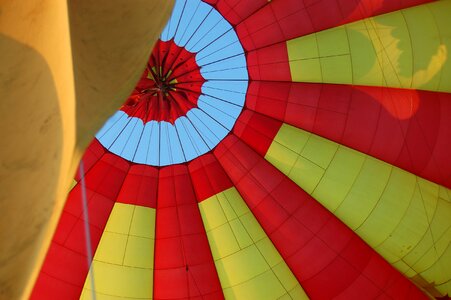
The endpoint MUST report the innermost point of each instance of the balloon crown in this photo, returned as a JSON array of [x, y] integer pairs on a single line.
[[169, 87]]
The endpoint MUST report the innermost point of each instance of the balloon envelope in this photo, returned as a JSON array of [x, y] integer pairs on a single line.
[[271, 150]]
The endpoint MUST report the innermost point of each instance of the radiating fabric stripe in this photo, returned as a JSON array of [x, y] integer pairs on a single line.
[[403, 217], [406, 49], [123, 263], [64, 270], [248, 264], [239, 246], [208, 177], [406, 128], [327, 258], [184, 267], [140, 186]]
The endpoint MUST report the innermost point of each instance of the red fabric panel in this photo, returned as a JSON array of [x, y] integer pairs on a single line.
[[140, 186], [48, 287], [107, 175], [92, 154], [208, 177], [328, 259], [270, 63], [65, 267], [235, 10], [184, 267], [407, 128], [257, 131]]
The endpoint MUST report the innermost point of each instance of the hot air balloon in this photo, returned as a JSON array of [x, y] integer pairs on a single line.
[[278, 149]]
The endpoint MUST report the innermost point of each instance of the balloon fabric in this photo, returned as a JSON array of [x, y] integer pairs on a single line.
[[278, 149]]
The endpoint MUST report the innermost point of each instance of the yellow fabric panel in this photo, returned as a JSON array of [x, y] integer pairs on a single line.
[[222, 241], [285, 160], [272, 257], [409, 48], [303, 48], [442, 19], [306, 58], [255, 231], [120, 218], [368, 189], [104, 297], [336, 69], [335, 36], [248, 264], [423, 37], [285, 276], [123, 263], [139, 250], [403, 217], [305, 166], [390, 209], [262, 286], [319, 151], [290, 162], [415, 220], [111, 240], [444, 193], [242, 266], [335, 184], [143, 219], [311, 70], [119, 281]]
